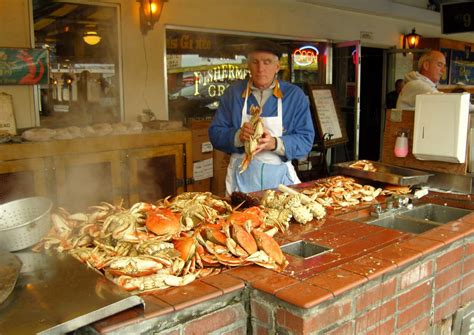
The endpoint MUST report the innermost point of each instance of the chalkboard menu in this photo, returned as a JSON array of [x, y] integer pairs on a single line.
[[457, 17], [327, 116]]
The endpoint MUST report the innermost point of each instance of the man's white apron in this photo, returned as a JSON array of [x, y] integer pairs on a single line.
[[274, 125]]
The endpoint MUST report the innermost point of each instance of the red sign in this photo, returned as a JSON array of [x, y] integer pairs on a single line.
[[306, 56]]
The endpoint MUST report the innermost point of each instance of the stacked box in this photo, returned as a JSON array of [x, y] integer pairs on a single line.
[[202, 152], [221, 161]]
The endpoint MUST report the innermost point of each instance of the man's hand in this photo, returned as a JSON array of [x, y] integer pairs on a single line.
[[245, 132], [266, 142]]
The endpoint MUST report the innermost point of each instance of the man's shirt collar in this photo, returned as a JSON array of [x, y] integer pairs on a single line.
[[275, 85]]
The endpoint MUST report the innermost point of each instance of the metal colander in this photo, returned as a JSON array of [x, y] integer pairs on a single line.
[[24, 222]]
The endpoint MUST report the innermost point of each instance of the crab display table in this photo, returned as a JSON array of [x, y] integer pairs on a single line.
[[372, 280]]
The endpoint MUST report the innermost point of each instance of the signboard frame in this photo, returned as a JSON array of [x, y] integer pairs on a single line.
[[457, 17], [327, 115]]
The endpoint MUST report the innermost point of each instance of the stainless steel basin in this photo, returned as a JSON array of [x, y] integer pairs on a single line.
[[435, 213], [303, 249], [396, 222], [416, 220]]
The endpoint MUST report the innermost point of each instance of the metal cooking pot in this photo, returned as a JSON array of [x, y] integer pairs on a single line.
[[24, 222]]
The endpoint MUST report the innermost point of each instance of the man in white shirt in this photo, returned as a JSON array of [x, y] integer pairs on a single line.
[[431, 67]]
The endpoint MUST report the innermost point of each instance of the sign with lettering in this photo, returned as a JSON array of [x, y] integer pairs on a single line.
[[306, 58], [328, 118], [216, 79], [457, 17], [188, 43], [7, 117], [23, 66]]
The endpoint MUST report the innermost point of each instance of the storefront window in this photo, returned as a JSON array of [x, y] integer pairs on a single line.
[[84, 84], [201, 65]]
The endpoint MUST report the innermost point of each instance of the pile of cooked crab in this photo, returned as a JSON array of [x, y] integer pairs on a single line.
[[178, 239]]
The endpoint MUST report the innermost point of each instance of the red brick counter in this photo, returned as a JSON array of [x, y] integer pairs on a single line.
[[373, 281]]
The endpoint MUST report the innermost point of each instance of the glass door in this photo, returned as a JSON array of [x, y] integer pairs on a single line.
[[346, 81]]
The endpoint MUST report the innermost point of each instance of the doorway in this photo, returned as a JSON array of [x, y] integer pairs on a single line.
[[371, 90], [359, 98], [346, 82]]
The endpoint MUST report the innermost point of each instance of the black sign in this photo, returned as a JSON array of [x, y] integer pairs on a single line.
[[457, 17]]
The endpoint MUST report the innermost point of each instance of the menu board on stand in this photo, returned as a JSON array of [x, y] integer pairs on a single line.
[[327, 116], [328, 120]]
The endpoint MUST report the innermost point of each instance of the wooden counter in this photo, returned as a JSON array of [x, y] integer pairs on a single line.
[[81, 172], [397, 121], [373, 281]]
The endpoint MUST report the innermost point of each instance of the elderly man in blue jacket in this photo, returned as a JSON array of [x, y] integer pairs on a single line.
[[288, 128]]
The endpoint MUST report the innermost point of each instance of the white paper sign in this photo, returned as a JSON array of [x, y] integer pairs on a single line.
[[327, 113], [203, 169], [7, 118], [206, 147]]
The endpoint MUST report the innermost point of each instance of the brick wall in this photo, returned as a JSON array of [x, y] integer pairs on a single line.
[[221, 316], [411, 300], [418, 298]]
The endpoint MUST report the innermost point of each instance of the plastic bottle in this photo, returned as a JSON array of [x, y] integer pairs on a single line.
[[401, 146]]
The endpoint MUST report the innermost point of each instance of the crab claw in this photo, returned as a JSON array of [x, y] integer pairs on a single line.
[[214, 235], [270, 247], [186, 247], [245, 164], [244, 239]]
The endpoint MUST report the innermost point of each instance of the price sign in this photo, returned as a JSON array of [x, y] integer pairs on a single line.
[[457, 17]]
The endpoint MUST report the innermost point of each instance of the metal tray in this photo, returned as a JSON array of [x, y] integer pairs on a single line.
[[385, 173], [56, 294]]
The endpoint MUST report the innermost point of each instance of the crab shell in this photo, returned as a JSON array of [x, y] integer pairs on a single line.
[[162, 221], [252, 215]]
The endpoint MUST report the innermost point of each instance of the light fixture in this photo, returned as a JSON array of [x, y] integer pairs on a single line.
[[91, 36], [150, 11], [411, 40]]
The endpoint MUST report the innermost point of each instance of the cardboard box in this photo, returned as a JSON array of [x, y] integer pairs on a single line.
[[202, 147], [221, 161], [197, 123], [202, 185]]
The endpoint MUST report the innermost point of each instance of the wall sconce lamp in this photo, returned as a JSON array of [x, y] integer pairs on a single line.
[[150, 11], [91, 36], [412, 40]]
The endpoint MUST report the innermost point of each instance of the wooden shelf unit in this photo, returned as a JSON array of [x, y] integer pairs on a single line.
[[82, 172]]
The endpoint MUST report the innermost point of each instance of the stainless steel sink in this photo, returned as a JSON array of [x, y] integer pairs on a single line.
[[303, 249], [416, 220], [396, 222], [435, 213]]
